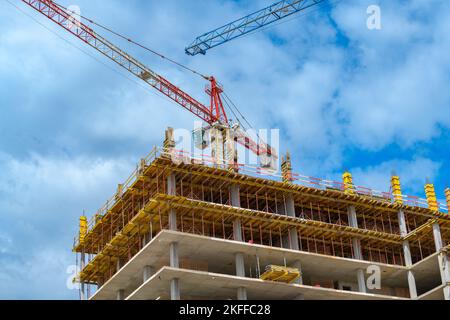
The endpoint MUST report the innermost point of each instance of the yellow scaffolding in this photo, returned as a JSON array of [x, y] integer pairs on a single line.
[[396, 189], [431, 197], [349, 188], [280, 274]]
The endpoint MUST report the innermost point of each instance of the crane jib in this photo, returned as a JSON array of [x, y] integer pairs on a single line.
[[212, 115], [77, 28]]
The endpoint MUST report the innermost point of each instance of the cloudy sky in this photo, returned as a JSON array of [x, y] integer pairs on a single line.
[[73, 125]]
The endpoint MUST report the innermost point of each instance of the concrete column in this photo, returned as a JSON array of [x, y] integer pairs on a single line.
[[173, 220], [290, 206], [352, 218], [82, 294], [171, 190], [82, 285], [407, 255], [171, 185], [290, 212], [240, 272], [437, 237], [240, 264], [236, 202], [361, 280], [237, 230], [298, 265], [119, 264], [242, 293], [148, 272], [120, 294], [444, 265], [293, 239], [175, 289], [357, 252], [174, 260], [235, 196]]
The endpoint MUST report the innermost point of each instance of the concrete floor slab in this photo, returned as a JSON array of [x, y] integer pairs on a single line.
[[200, 248], [211, 286]]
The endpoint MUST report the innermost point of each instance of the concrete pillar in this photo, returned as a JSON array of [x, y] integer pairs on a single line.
[[290, 212], [175, 289], [172, 190], [119, 264], [235, 196], [148, 272], [82, 286], [407, 255], [173, 220], [236, 202], [242, 293], [357, 252], [82, 293], [240, 272], [171, 185], [120, 294], [174, 260], [237, 230], [293, 239], [437, 237], [361, 280], [444, 265], [298, 265], [352, 218], [240, 264]]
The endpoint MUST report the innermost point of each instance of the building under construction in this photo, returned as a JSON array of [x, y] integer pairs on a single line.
[[188, 227], [184, 228]]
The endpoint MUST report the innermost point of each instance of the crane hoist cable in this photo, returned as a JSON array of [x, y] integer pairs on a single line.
[[110, 30]]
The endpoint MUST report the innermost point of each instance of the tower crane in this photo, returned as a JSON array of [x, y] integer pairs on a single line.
[[213, 115], [248, 24]]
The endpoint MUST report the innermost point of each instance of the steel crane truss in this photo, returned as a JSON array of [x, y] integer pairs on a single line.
[[86, 34], [214, 114], [248, 24]]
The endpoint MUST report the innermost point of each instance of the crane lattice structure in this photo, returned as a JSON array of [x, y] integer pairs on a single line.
[[214, 115], [248, 24]]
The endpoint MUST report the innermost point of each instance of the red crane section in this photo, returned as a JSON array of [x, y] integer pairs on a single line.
[[211, 115], [51, 10]]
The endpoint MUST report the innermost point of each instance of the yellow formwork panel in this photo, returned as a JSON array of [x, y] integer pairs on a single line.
[[396, 189], [431, 197], [349, 188], [83, 228], [280, 274]]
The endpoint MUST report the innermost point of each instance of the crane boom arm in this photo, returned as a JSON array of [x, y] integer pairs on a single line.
[[248, 24], [49, 9], [211, 115]]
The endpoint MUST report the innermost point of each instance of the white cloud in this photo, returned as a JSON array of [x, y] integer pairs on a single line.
[[40, 202], [413, 174]]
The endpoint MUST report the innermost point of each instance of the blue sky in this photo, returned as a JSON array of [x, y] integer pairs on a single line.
[[344, 97]]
